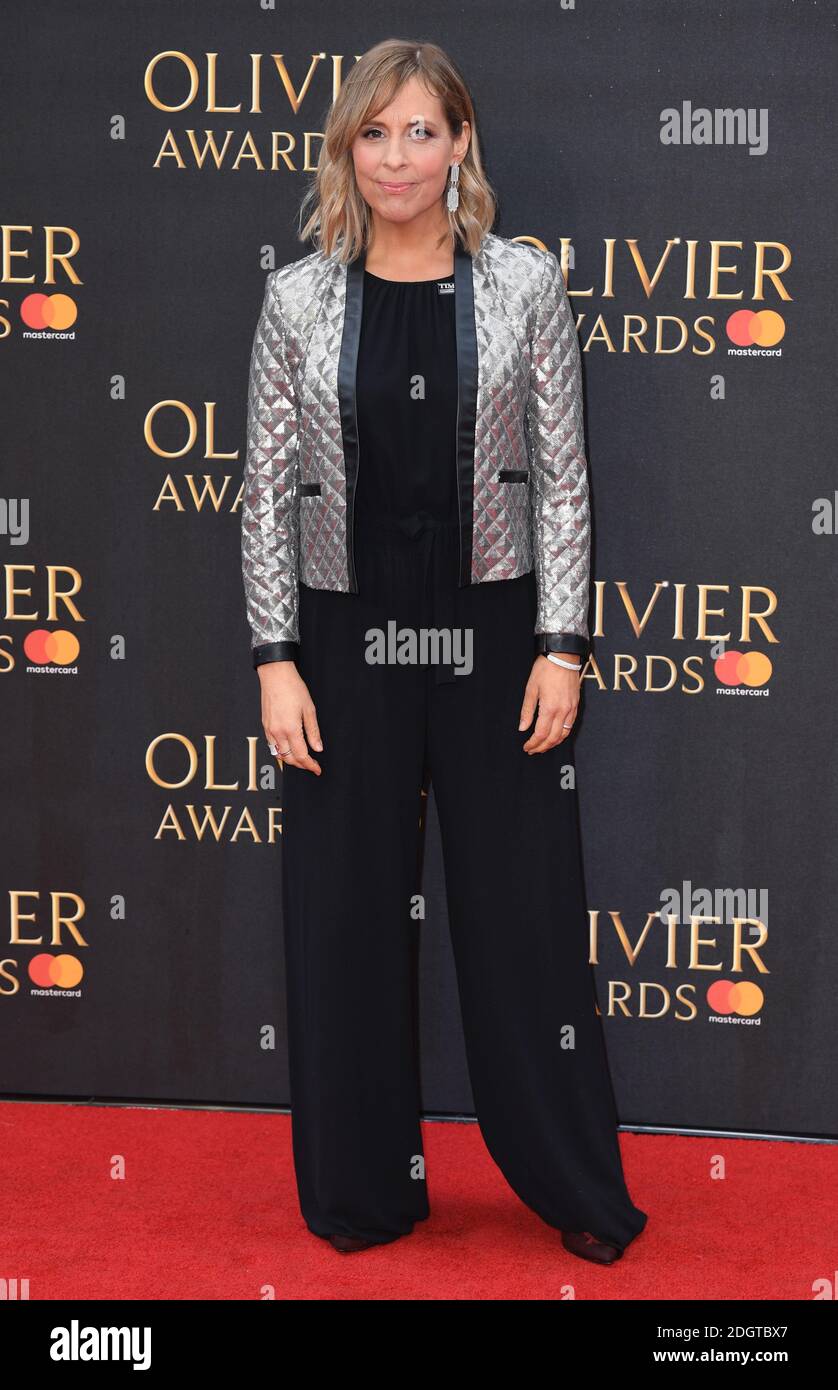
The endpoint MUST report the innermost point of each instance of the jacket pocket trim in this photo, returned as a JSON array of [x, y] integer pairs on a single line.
[[309, 489], [513, 475]]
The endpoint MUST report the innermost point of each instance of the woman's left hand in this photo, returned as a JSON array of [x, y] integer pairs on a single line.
[[556, 692]]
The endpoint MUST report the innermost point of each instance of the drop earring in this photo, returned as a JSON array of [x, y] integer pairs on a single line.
[[453, 190]]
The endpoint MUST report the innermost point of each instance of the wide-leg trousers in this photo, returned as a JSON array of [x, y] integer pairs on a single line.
[[515, 896]]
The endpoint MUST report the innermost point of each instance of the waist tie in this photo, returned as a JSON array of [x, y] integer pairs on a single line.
[[428, 533]]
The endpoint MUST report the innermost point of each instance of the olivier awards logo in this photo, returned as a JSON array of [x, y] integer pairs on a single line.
[[684, 965], [178, 764], [38, 650], [653, 634], [47, 946]]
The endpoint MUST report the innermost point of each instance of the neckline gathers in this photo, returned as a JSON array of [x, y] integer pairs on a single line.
[[437, 279]]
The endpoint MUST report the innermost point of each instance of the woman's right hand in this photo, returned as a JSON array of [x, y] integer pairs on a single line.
[[288, 714]]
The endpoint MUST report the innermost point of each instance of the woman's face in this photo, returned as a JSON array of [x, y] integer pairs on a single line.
[[409, 147]]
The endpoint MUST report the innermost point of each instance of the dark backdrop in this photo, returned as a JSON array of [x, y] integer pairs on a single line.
[[706, 461]]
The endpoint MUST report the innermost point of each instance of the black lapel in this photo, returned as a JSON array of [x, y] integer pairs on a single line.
[[467, 400], [347, 369]]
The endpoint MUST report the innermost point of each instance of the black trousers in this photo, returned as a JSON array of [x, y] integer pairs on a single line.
[[516, 905]]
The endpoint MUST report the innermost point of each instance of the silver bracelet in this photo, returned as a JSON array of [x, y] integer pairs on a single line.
[[568, 665]]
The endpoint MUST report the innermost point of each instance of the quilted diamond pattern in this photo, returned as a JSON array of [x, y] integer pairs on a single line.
[[270, 512], [560, 502]]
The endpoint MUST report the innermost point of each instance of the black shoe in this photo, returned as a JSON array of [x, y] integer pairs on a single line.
[[347, 1244], [587, 1247]]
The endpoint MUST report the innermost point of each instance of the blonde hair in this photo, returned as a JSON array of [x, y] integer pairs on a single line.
[[340, 220]]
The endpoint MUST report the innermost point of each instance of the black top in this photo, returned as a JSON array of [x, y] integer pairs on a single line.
[[407, 399]]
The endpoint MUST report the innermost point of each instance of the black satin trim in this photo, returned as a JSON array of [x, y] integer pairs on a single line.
[[309, 489], [347, 388], [513, 475], [467, 412], [275, 651], [561, 642]]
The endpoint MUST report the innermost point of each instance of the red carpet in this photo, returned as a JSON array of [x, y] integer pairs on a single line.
[[207, 1209]]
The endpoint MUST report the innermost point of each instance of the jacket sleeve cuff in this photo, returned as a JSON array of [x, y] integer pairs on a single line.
[[275, 651], [561, 642]]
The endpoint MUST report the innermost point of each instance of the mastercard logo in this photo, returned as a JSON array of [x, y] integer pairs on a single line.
[[744, 998], [64, 972], [743, 668], [57, 648], [56, 311], [761, 327]]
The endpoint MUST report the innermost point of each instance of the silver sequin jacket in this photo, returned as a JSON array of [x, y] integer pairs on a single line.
[[520, 449]]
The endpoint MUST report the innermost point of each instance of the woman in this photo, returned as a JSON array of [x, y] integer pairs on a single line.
[[415, 480]]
